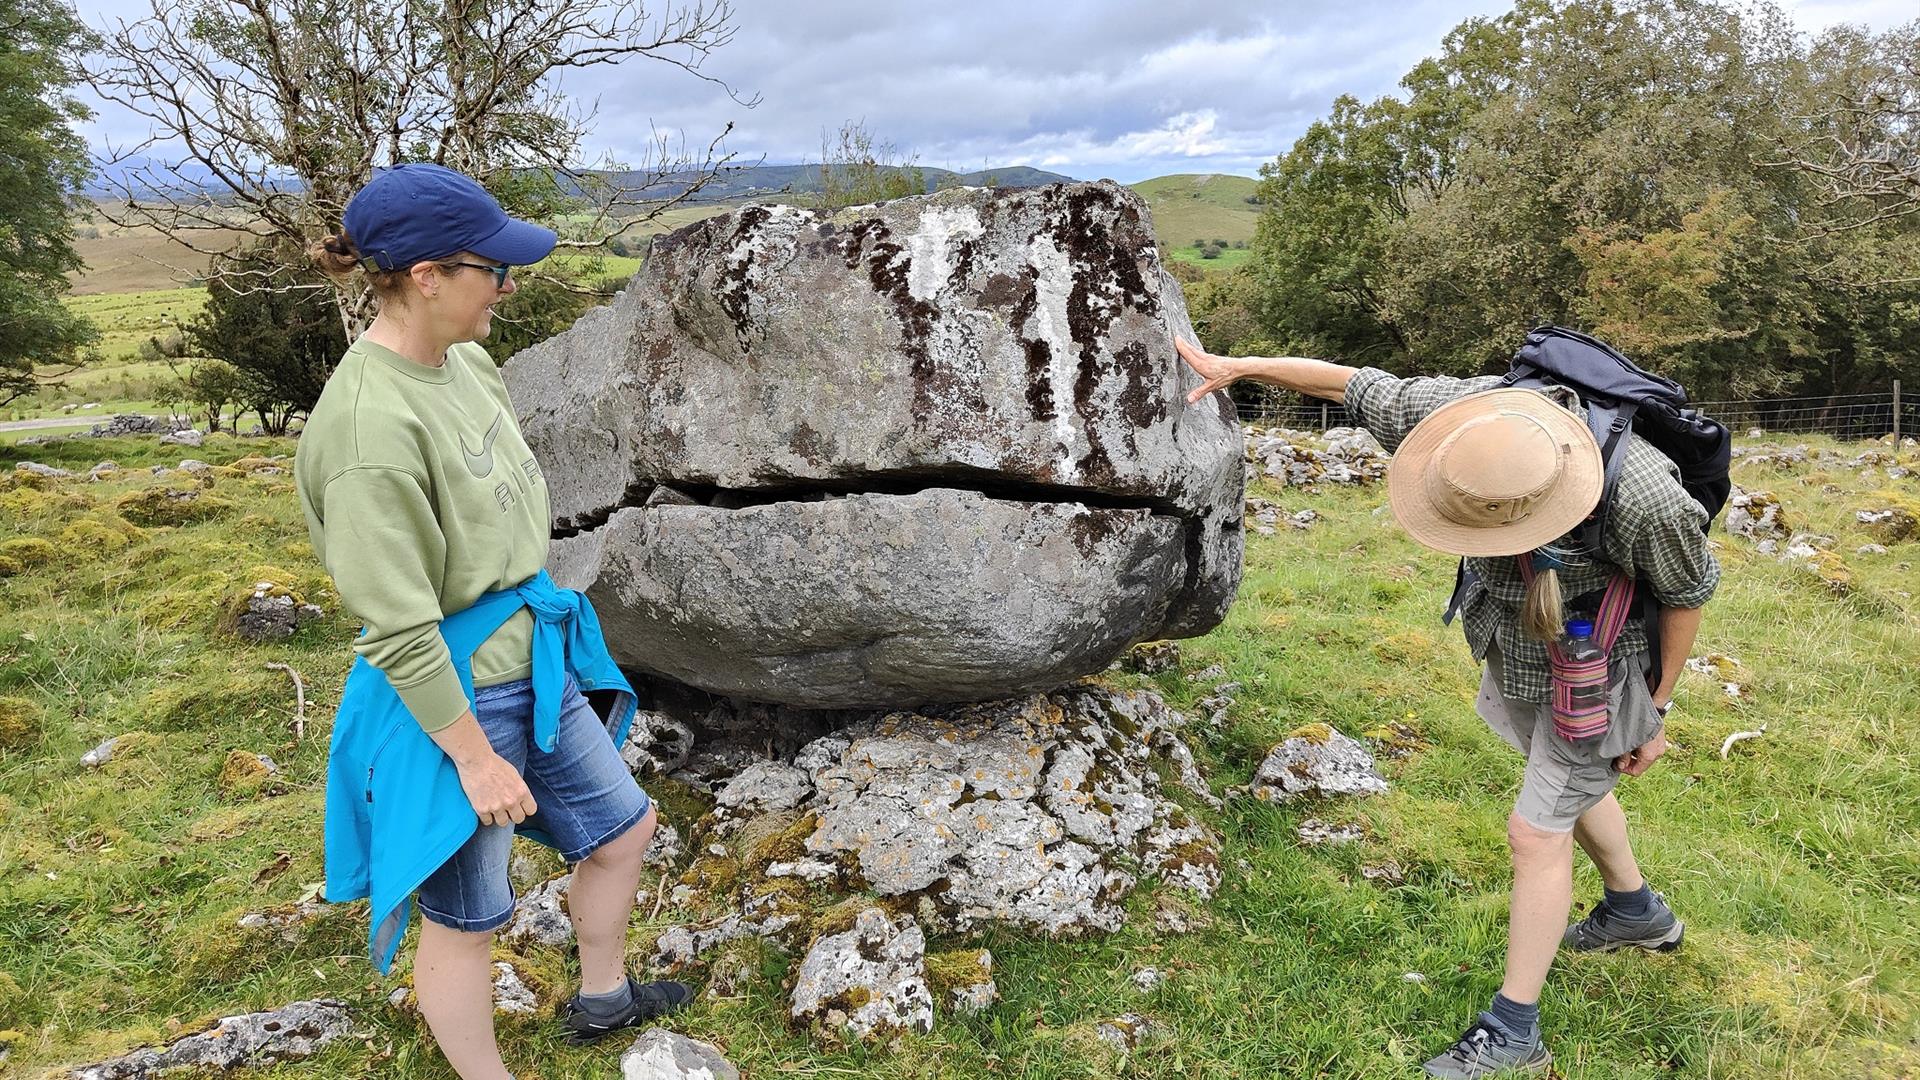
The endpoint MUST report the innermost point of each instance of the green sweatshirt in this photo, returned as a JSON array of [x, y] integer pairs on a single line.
[[420, 494]]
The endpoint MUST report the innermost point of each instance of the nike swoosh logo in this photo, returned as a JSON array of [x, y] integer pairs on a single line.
[[480, 462]]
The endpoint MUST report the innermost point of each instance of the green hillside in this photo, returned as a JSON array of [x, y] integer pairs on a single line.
[[1202, 206]]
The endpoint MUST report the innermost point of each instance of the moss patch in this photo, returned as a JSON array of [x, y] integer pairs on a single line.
[[23, 553], [19, 724], [170, 505]]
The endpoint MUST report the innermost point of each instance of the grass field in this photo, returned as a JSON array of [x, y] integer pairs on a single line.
[[1796, 861]]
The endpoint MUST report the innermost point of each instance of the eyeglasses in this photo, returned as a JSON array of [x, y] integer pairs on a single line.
[[499, 273]]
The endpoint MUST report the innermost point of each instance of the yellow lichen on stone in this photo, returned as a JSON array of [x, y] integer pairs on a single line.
[[243, 773], [19, 723], [1313, 733], [1832, 571]]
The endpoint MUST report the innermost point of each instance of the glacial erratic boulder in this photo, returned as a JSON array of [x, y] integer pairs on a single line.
[[930, 450]]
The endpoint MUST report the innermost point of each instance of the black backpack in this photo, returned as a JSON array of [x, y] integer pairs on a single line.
[[1622, 398]]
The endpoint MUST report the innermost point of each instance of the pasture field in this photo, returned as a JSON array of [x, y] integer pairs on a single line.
[[1795, 858]]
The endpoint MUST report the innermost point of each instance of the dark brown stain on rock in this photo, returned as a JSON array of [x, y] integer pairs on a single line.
[[889, 269], [1093, 526], [1140, 401], [1024, 292], [809, 445], [1002, 290], [733, 290]]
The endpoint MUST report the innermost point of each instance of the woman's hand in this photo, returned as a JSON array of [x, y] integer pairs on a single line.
[[497, 790], [1218, 371]]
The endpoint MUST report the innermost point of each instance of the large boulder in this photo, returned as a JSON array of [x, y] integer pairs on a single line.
[[931, 450]]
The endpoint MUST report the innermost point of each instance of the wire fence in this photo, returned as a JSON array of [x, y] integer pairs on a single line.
[[1843, 416]]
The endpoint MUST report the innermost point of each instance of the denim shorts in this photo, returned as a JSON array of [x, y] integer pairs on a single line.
[[584, 794]]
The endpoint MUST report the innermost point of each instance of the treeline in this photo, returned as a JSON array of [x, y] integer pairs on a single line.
[[1728, 201]]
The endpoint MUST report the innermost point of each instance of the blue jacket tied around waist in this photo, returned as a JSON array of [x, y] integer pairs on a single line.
[[395, 807]]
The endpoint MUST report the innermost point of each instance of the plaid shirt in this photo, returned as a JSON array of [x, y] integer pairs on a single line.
[[1653, 533]]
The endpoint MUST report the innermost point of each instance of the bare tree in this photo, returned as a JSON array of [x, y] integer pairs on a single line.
[[267, 115], [1861, 154]]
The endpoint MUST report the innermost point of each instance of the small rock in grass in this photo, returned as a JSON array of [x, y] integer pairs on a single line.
[[867, 981], [1126, 1031], [291, 1033], [1147, 978], [510, 992], [100, 754], [1388, 871], [540, 916], [1316, 760], [659, 1054], [1314, 833]]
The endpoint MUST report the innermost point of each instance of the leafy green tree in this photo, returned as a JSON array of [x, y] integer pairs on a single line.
[[276, 328], [42, 167], [1598, 163]]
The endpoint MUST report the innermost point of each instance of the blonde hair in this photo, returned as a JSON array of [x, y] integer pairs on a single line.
[[1543, 612], [338, 258]]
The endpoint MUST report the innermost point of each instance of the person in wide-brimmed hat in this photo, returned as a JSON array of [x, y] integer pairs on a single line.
[[1506, 478]]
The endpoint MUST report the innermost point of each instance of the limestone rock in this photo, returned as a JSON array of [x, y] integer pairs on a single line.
[[659, 1054], [1892, 525], [963, 980], [100, 754], [1126, 1031], [1756, 515], [1314, 832], [762, 786], [37, 469], [123, 424], [931, 450], [1152, 657], [272, 614], [657, 744], [867, 981], [1316, 760], [665, 848], [1147, 979], [540, 916], [184, 437], [510, 993], [290, 1033], [1010, 812], [1351, 458]]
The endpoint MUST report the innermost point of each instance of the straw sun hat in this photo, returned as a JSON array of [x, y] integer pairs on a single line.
[[1495, 473]]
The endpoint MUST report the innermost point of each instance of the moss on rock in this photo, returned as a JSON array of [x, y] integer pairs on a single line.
[[23, 553], [168, 505], [19, 723]]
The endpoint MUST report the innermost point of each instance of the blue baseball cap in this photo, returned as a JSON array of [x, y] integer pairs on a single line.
[[410, 213]]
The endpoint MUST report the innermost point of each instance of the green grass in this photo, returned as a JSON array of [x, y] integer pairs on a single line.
[[1209, 206], [127, 320], [1229, 259], [1796, 863]]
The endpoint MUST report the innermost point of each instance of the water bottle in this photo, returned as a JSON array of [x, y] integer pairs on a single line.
[[1586, 668]]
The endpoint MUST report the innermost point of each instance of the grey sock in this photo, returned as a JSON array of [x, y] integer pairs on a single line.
[[610, 1002], [1634, 902], [1521, 1022]]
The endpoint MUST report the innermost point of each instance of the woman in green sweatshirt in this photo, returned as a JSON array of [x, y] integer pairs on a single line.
[[421, 495]]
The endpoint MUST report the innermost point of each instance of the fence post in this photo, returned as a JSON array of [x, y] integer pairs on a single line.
[[1323, 413], [1896, 413]]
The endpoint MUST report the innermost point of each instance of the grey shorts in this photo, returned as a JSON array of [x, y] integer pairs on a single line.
[[1563, 779]]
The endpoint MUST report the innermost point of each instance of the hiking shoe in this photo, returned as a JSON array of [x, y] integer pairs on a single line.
[[650, 1001], [1604, 929], [1488, 1050]]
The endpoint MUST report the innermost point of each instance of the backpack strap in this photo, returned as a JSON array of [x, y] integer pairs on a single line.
[[1463, 580]]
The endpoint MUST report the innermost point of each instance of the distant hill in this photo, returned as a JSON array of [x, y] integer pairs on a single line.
[[749, 182], [1201, 206]]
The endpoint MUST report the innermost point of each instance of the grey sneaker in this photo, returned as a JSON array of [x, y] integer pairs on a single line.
[[1604, 929], [1487, 1050]]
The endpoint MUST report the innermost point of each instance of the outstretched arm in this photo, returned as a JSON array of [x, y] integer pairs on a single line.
[[1315, 378]]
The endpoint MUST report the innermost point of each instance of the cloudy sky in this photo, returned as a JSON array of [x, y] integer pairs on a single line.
[[1122, 89]]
